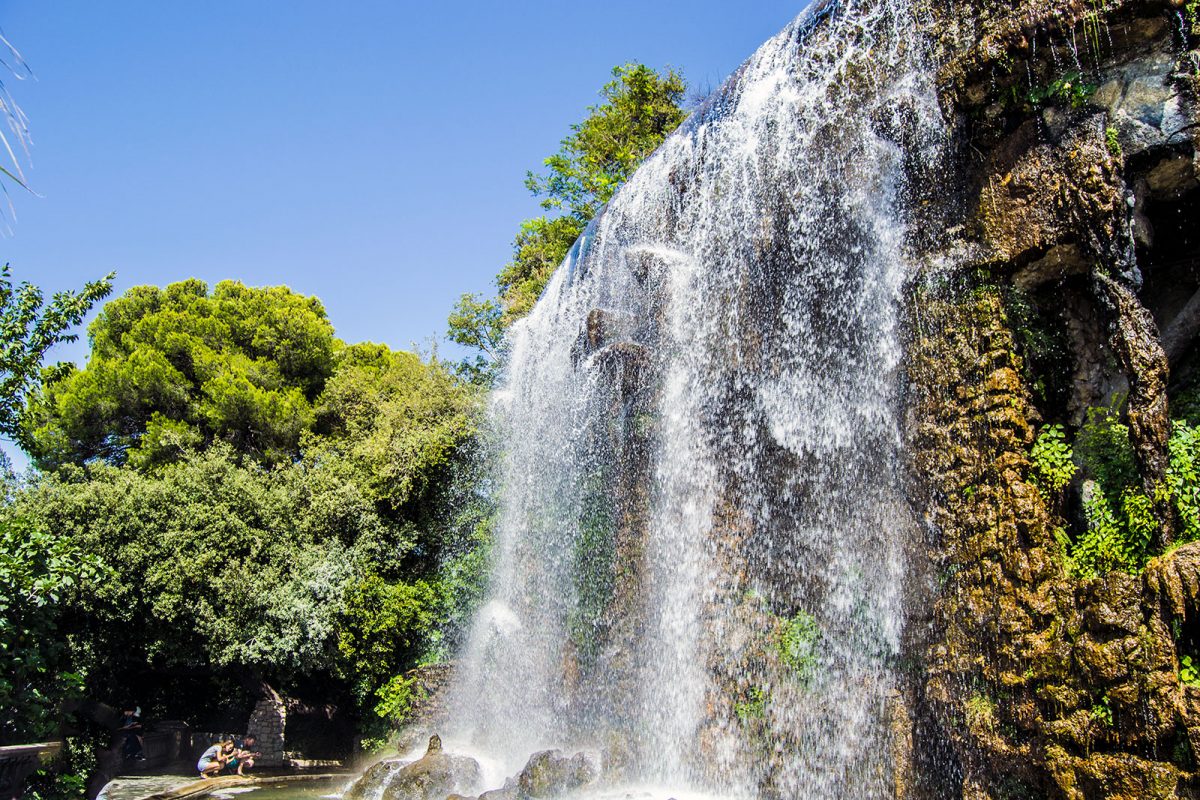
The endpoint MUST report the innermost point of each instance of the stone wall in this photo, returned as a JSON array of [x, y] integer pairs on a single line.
[[267, 722]]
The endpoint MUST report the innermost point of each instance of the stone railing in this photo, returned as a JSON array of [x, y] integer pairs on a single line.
[[18, 762]]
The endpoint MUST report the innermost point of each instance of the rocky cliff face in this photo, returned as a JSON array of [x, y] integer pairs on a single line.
[[1063, 278]]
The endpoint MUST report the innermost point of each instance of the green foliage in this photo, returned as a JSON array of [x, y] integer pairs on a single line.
[[170, 367], [753, 706], [66, 777], [1069, 89], [798, 645], [1183, 477], [463, 570], [1113, 142], [1188, 672], [1116, 539], [213, 562], [641, 108], [290, 573], [980, 712], [266, 501], [1052, 464], [1121, 523], [395, 699], [391, 423], [1105, 451], [41, 576], [382, 629], [476, 322], [1185, 400], [1102, 711], [540, 247], [28, 328]]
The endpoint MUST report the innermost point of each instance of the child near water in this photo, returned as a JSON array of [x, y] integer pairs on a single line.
[[214, 759]]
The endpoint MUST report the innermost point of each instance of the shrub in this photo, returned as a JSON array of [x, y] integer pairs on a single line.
[[798, 644], [1052, 464], [1116, 539], [1119, 516], [1112, 142], [1183, 478], [754, 706], [1188, 672], [395, 699]]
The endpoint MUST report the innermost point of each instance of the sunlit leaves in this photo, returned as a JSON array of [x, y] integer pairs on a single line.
[[28, 328]]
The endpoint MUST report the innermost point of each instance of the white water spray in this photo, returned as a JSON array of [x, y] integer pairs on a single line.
[[700, 556]]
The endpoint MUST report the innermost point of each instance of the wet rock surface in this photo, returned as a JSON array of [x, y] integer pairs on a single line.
[[1037, 682], [551, 774], [435, 776]]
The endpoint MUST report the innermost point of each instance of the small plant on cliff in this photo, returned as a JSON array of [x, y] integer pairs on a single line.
[[1104, 449], [1052, 464], [1113, 143], [798, 643], [1117, 539], [754, 706], [1069, 89], [980, 712], [1183, 477], [1118, 514], [1188, 672], [1102, 712]]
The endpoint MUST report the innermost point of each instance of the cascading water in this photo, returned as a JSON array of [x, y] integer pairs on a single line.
[[700, 555]]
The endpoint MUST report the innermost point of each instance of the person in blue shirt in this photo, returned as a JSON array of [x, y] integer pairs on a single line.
[[244, 753]]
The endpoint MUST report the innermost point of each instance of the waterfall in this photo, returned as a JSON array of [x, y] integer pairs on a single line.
[[700, 559]]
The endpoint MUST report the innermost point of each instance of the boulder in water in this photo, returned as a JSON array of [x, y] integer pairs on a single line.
[[506, 792], [373, 780], [550, 774], [434, 776]]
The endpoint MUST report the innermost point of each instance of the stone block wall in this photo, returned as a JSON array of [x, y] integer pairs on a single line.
[[267, 723]]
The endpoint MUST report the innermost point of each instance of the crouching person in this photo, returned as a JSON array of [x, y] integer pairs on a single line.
[[244, 753], [214, 759]]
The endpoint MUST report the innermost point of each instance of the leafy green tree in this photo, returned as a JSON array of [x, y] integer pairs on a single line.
[[172, 368], [215, 564], [383, 629], [223, 565], [392, 422], [40, 575], [476, 322], [539, 248], [641, 108], [28, 328]]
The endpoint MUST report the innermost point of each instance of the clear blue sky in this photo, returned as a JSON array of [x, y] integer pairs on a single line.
[[369, 153]]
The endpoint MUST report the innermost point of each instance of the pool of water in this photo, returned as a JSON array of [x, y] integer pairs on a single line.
[[295, 790]]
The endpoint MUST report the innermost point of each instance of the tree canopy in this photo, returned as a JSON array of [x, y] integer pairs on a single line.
[[178, 367], [641, 108], [28, 328], [251, 497]]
